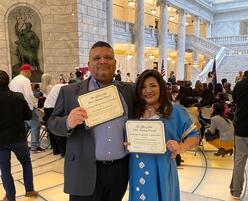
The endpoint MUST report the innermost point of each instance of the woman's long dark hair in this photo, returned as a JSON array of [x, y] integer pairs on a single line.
[[165, 105], [207, 97], [218, 109]]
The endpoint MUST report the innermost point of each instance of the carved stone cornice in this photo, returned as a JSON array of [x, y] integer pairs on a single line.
[[195, 8]]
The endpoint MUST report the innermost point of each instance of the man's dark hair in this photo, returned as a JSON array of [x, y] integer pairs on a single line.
[[101, 44], [4, 79]]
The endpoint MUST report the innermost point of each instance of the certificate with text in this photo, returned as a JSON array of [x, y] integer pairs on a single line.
[[101, 105], [146, 136]]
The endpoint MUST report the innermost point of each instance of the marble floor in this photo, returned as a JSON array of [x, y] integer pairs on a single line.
[[203, 177]]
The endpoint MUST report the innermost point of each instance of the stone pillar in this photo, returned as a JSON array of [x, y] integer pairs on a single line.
[[139, 36], [181, 44], [110, 38], [197, 32], [163, 36], [208, 30]]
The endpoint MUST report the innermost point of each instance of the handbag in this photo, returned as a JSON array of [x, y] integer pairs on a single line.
[[212, 136]]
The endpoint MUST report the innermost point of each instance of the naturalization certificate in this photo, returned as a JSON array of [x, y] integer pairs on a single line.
[[101, 105], [146, 136]]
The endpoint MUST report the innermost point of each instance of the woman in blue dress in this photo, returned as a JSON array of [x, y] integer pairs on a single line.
[[154, 177]]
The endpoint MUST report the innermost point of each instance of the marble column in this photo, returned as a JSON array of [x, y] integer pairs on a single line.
[[110, 35], [197, 32], [195, 70], [209, 30], [139, 36], [163, 36], [181, 44]]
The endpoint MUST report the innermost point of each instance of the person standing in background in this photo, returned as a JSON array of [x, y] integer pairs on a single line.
[[14, 111], [240, 97], [118, 75], [172, 78], [58, 143], [129, 79], [46, 84], [209, 78], [79, 76], [239, 77], [21, 83]]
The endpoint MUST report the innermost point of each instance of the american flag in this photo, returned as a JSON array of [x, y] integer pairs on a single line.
[[162, 69]]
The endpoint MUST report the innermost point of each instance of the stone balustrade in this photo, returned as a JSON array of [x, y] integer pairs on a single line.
[[124, 33], [151, 37], [230, 40], [235, 52], [200, 44]]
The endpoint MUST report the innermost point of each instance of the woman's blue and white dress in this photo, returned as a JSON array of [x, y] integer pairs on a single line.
[[154, 177]]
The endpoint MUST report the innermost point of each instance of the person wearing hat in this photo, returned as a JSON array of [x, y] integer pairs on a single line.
[[14, 111], [21, 83]]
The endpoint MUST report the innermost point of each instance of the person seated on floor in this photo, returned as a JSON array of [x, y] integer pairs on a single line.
[[14, 111], [224, 126]]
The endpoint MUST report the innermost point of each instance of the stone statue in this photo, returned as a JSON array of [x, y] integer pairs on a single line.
[[27, 45]]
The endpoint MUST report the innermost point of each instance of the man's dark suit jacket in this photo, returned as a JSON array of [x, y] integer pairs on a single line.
[[80, 159], [14, 111]]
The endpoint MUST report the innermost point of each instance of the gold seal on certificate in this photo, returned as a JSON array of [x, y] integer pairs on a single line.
[[146, 136], [101, 105]]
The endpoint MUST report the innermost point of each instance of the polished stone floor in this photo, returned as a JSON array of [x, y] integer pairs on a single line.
[[203, 177]]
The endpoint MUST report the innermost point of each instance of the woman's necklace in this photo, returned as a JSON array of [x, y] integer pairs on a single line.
[[149, 112]]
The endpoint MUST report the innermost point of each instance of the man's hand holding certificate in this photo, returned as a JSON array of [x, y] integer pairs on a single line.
[[146, 136], [101, 105]]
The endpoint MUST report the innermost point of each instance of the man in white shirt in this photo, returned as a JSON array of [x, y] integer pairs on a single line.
[[21, 83]]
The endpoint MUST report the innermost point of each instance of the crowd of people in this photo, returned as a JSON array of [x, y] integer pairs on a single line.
[[98, 165]]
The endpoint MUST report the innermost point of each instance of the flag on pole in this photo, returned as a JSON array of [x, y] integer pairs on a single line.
[[214, 76], [163, 69]]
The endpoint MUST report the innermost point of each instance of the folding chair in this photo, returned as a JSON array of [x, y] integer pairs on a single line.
[[43, 128]]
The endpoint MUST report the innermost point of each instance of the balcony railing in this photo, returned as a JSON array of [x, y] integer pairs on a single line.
[[235, 52], [230, 40], [124, 33], [202, 45]]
